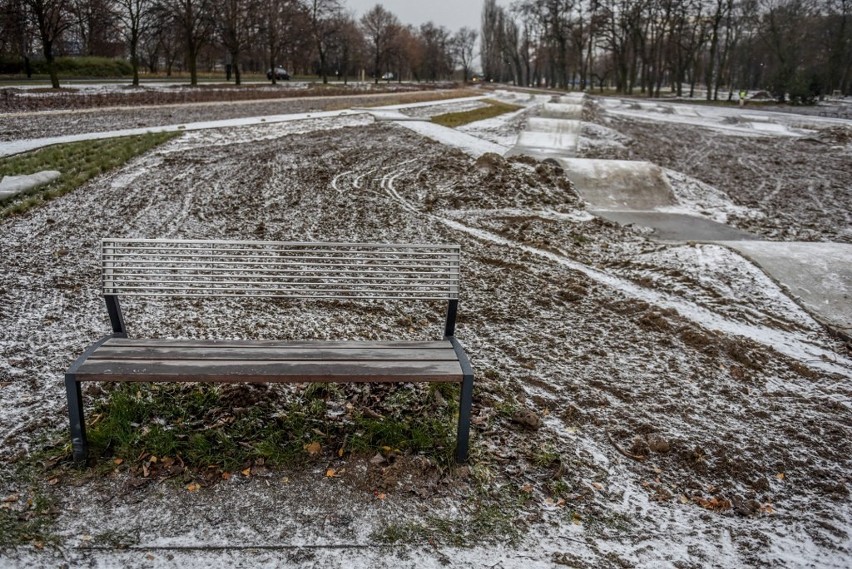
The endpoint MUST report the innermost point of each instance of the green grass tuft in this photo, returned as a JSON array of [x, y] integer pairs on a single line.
[[78, 162], [231, 427], [494, 109]]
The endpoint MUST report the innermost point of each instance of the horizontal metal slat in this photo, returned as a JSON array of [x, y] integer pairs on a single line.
[[400, 278], [252, 294], [280, 269], [316, 244], [261, 344]]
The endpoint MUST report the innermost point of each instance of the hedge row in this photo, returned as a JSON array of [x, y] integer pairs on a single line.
[[69, 67]]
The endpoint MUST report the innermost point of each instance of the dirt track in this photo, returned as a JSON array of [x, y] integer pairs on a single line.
[[662, 429], [802, 185]]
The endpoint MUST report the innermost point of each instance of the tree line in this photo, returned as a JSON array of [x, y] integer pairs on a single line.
[[797, 50], [319, 37]]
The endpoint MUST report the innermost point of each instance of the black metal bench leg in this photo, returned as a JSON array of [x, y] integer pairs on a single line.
[[465, 404], [78, 423]]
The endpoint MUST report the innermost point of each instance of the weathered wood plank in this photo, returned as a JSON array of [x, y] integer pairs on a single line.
[[284, 372], [270, 353]]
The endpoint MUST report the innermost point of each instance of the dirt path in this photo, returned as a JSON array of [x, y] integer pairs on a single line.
[[802, 185], [669, 429]]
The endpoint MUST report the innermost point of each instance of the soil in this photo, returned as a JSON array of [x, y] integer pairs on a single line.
[[614, 405], [84, 116]]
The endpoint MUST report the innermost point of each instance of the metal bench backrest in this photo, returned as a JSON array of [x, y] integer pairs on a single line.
[[192, 268]]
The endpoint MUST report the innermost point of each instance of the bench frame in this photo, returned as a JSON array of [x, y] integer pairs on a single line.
[[286, 280]]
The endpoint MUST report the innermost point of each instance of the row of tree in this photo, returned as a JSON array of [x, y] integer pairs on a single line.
[[307, 36], [797, 49]]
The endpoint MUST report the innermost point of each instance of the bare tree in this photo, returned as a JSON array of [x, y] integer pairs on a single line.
[[325, 24], [464, 44], [437, 53], [348, 47], [16, 32], [52, 19], [96, 27], [195, 20], [380, 28], [135, 16], [237, 30]]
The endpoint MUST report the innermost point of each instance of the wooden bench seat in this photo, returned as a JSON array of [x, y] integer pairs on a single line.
[[121, 359], [280, 270]]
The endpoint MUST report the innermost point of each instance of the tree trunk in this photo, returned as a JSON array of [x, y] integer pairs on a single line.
[[51, 68], [134, 57], [193, 66], [235, 65]]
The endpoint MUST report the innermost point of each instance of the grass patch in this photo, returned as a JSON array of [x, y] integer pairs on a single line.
[[28, 521], [28, 509], [494, 109], [232, 427], [492, 520], [78, 162]]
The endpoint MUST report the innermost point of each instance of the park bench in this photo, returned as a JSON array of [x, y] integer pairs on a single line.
[[273, 270]]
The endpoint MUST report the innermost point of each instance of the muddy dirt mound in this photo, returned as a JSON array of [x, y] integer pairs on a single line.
[[836, 135], [495, 182]]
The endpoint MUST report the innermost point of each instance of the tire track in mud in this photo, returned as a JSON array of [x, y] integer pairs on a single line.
[[783, 342]]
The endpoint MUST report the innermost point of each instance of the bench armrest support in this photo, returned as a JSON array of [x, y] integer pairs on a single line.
[[116, 318]]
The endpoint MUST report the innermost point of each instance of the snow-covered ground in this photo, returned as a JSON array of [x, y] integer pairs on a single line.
[[699, 417]]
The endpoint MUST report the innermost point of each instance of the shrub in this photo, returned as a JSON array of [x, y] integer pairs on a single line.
[[85, 67]]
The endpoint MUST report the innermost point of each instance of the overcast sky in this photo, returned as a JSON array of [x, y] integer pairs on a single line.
[[452, 14]]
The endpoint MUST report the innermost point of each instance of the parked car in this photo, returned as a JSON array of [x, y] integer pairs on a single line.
[[388, 76], [280, 73]]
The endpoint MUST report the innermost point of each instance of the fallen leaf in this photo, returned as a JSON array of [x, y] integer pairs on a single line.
[[527, 488], [145, 471], [340, 452], [38, 544], [597, 485], [226, 475], [331, 473], [285, 480], [767, 508], [684, 499], [53, 481], [576, 519], [86, 537], [246, 472], [194, 487], [150, 557], [713, 503], [153, 458], [118, 461], [314, 448], [780, 476], [380, 495]]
